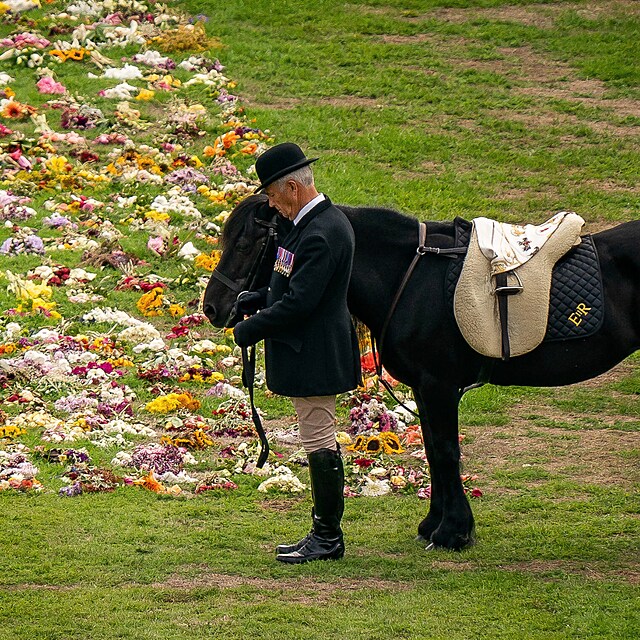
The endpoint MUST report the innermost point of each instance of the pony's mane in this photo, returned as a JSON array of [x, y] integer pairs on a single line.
[[237, 220], [381, 214]]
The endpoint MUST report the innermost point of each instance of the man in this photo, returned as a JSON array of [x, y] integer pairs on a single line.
[[311, 348]]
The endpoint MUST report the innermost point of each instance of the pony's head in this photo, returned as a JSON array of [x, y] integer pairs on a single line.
[[249, 242]]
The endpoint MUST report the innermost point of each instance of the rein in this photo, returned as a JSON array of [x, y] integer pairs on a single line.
[[249, 353], [420, 251]]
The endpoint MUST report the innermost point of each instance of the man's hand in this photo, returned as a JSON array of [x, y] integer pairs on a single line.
[[248, 303], [240, 335]]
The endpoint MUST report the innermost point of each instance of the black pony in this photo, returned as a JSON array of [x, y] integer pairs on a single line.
[[423, 347]]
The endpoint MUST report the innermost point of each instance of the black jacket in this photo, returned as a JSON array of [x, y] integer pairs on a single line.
[[311, 348]]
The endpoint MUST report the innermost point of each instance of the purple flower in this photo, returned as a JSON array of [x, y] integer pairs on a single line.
[[74, 489], [34, 244]]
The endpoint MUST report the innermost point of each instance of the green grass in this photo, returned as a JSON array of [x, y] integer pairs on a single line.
[[437, 108]]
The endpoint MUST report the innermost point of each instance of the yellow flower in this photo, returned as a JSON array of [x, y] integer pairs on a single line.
[[173, 401], [150, 302], [145, 94], [208, 262], [176, 311], [157, 216], [10, 431], [57, 164], [390, 442]]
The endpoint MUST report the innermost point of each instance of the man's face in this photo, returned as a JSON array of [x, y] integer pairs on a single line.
[[285, 200]]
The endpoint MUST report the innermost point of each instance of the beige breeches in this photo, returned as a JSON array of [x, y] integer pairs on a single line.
[[317, 422]]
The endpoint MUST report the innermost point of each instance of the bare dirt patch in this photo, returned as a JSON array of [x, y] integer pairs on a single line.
[[537, 15], [592, 570], [541, 16], [302, 585], [279, 504], [588, 456]]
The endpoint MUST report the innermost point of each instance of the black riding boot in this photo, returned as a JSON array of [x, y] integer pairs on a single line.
[[288, 548], [325, 541]]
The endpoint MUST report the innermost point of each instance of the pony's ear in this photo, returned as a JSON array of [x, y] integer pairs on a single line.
[[264, 212]]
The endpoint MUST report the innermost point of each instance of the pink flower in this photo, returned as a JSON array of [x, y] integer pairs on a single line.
[[156, 245], [424, 492], [476, 493], [47, 84]]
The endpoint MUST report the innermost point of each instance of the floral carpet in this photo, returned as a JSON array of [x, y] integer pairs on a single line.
[[123, 150]]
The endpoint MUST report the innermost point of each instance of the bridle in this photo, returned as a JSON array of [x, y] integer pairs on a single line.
[[249, 353], [247, 283]]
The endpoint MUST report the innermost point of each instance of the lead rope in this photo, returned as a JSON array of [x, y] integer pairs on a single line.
[[248, 377]]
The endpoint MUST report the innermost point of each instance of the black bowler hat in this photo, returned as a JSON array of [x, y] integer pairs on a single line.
[[279, 161]]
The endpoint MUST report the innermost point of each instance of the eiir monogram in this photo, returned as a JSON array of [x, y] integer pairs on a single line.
[[578, 315]]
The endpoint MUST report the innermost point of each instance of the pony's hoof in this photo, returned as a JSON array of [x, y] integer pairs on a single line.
[[430, 547], [421, 539]]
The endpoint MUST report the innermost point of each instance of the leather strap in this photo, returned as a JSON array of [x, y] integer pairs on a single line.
[[503, 312], [248, 377]]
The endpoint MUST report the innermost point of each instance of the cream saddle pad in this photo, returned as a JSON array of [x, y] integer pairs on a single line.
[[526, 254]]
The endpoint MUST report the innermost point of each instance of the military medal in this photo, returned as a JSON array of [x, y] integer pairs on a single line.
[[284, 262]]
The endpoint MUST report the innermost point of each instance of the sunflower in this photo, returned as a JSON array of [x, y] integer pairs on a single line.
[[391, 442], [374, 444], [359, 445]]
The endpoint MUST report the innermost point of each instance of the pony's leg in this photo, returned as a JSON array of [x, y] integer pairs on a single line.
[[449, 523]]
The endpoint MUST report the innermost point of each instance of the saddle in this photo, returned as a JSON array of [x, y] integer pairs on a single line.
[[501, 299]]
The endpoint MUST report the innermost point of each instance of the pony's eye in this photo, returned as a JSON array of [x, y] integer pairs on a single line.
[[243, 246]]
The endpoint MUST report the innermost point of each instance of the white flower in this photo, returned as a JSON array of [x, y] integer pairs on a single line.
[[122, 459], [188, 251], [115, 316], [157, 344], [141, 332], [122, 91], [375, 487], [128, 72], [282, 480], [12, 330]]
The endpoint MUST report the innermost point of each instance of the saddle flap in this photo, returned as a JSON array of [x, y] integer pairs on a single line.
[[476, 305]]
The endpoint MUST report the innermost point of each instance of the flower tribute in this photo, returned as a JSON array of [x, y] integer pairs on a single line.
[[123, 150]]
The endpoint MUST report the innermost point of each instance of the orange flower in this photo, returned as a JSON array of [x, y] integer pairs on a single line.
[[249, 148], [413, 435], [57, 53], [76, 54], [149, 482], [13, 110]]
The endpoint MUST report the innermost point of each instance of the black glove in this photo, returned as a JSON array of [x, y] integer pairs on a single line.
[[240, 335], [248, 303]]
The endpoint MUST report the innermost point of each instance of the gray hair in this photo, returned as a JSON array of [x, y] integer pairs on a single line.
[[303, 176]]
